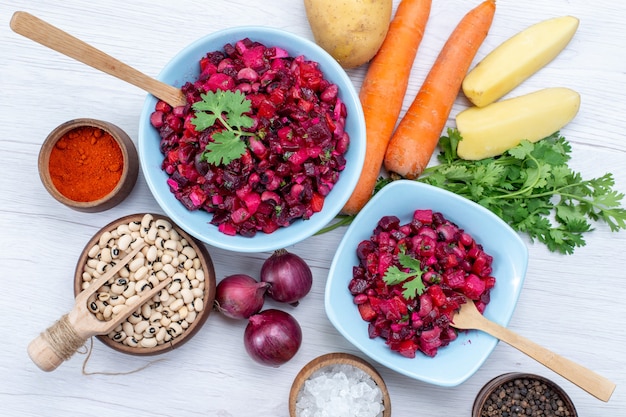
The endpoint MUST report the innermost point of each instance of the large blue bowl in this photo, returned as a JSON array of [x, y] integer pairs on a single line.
[[459, 360], [184, 67]]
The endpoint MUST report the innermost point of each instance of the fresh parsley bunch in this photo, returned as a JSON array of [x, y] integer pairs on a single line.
[[532, 188]]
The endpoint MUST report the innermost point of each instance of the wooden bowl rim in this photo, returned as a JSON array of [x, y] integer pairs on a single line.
[[130, 164], [209, 296], [499, 380], [337, 358]]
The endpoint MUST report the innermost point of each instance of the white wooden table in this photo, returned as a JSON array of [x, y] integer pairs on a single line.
[[568, 303]]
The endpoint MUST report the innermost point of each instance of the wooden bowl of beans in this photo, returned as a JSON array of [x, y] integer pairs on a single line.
[[172, 316], [522, 394], [89, 165], [339, 384]]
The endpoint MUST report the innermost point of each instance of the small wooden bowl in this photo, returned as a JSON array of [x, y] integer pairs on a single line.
[[331, 359], [496, 383], [130, 165], [208, 296]]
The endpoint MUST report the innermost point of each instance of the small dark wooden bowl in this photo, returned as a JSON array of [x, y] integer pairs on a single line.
[[497, 382], [130, 166], [331, 359], [209, 290]]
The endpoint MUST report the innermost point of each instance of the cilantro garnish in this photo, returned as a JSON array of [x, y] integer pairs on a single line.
[[228, 108], [412, 279]]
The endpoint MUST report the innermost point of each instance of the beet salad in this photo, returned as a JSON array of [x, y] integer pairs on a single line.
[[260, 143]]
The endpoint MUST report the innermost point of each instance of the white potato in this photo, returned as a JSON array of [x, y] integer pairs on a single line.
[[516, 59], [491, 130], [352, 31]]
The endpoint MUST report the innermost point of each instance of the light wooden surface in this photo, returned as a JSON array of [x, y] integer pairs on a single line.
[[568, 303]]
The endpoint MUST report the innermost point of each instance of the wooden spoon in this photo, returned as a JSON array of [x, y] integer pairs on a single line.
[[47, 35], [468, 317]]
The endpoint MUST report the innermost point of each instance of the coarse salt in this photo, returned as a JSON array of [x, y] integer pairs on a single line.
[[340, 391]]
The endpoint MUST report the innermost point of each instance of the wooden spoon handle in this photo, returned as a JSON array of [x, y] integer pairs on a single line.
[[588, 380], [43, 355], [47, 35]]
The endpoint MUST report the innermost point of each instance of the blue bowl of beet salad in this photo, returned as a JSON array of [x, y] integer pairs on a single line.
[[404, 266], [269, 147]]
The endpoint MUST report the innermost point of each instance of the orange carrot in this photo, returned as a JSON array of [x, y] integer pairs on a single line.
[[416, 137], [383, 90]]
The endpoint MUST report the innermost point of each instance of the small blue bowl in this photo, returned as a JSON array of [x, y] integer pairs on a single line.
[[185, 67], [456, 362]]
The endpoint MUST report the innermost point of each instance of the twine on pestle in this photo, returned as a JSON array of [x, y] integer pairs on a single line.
[[63, 339]]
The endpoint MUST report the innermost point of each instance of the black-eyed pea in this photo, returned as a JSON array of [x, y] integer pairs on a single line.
[[100, 316], [163, 224], [151, 331], [128, 328], [169, 270], [101, 267], [174, 287], [134, 318], [151, 254], [175, 262], [183, 312], [191, 316], [189, 252], [188, 264], [134, 226], [194, 283], [166, 258], [163, 296], [199, 275], [176, 329], [184, 324], [131, 341], [171, 245], [123, 243], [105, 255], [119, 309], [187, 295], [196, 263], [154, 279], [85, 285], [136, 263], [164, 234], [124, 272], [107, 313], [93, 252], [156, 317], [160, 336], [86, 276], [176, 304], [123, 229], [132, 299], [141, 273], [146, 311], [138, 337], [92, 263], [104, 239], [117, 289], [175, 317], [104, 296], [157, 266], [129, 291], [198, 304], [118, 336], [165, 321], [116, 300], [140, 327], [174, 235], [146, 220], [197, 293], [137, 241]]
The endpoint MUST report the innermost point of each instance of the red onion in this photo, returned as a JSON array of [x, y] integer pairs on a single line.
[[290, 276], [239, 296], [272, 337]]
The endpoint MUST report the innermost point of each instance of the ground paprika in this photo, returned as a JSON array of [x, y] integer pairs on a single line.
[[86, 164]]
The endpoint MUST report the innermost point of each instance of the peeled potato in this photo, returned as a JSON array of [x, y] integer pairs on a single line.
[[351, 31], [491, 130], [518, 58]]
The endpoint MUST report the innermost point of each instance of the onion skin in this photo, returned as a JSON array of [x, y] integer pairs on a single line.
[[272, 337], [289, 275], [240, 296]]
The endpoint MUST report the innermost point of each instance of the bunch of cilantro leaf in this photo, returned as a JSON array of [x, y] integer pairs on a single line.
[[530, 187]]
